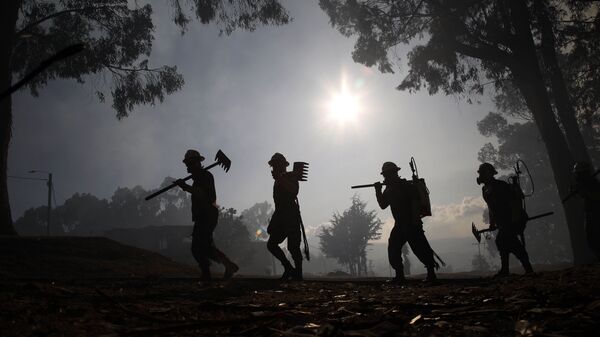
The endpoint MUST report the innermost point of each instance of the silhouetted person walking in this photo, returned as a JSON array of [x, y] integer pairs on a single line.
[[285, 222], [404, 200], [506, 214], [205, 215], [589, 189]]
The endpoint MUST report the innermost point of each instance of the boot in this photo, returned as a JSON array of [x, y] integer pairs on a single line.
[[288, 272], [528, 268], [503, 272], [297, 273], [206, 278], [399, 279], [431, 277], [230, 269]]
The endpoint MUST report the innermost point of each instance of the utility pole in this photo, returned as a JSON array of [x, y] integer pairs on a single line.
[[49, 184]]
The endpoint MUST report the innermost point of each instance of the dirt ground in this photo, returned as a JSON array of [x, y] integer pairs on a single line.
[[560, 303], [97, 287]]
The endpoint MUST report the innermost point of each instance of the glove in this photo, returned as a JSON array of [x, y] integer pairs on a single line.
[[181, 183], [378, 186]]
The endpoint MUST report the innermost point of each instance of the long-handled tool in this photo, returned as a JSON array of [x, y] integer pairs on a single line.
[[220, 159], [477, 233], [301, 170], [365, 186]]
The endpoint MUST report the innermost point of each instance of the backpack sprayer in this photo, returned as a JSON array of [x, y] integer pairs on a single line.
[[518, 207]]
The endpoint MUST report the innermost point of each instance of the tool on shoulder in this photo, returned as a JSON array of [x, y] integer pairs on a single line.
[[367, 185], [301, 170], [419, 183], [306, 252], [477, 232], [220, 159]]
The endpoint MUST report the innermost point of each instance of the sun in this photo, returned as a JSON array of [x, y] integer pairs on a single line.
[[343, 107]]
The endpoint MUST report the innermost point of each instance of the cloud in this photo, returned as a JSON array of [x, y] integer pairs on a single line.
[[448, 220]]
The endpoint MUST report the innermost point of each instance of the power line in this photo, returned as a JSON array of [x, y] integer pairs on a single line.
[[27, 178]]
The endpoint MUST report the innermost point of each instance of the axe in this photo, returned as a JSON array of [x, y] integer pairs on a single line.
[[477, 233], [220, 159]]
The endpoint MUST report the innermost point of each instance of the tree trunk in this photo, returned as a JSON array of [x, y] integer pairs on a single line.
[[528, 78], [560, 93], [8, 19]]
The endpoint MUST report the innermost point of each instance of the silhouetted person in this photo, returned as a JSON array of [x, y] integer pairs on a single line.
[[506, 215], [404, 200], [205, 215], [589, 189], [285, 222]]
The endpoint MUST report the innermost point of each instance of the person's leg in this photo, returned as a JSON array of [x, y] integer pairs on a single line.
[[503, 250], [395, 242], [515, 246], [275, 238], [230, 267], [423, 251], [200, 251], [294, 239]]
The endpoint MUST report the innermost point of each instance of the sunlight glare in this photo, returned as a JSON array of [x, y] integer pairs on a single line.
[[343, 107]]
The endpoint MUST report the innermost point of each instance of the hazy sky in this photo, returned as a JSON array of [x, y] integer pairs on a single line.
[[253, 94]]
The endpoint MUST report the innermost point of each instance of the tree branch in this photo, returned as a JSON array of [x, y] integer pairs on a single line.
[[66, 11], [488, 53]]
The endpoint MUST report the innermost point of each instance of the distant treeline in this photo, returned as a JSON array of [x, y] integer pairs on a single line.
[[84, 214]]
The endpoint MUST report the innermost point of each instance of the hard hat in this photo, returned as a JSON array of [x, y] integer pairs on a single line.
[[278, 158], [487, 167], [389, 166], [192, 155]]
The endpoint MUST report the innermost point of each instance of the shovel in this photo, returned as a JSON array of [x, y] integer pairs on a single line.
[[220, 159]]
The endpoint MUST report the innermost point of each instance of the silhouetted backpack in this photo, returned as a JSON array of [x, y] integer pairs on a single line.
[[421, 186], [518, 206]]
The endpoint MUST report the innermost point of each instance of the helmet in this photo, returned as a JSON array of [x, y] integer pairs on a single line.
[[487, 167], [192, 155], [278, 158], [581, 167], [389, 166]]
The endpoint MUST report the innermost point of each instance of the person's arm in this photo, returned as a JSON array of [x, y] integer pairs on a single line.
[[492, 219], [381, 199], [210, 185], [289, 184], [183, 185], [491, 216]]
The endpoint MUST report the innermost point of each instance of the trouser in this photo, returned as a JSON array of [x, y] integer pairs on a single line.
[[508, 242], [285, 225], [415, 236], [203, 246]]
